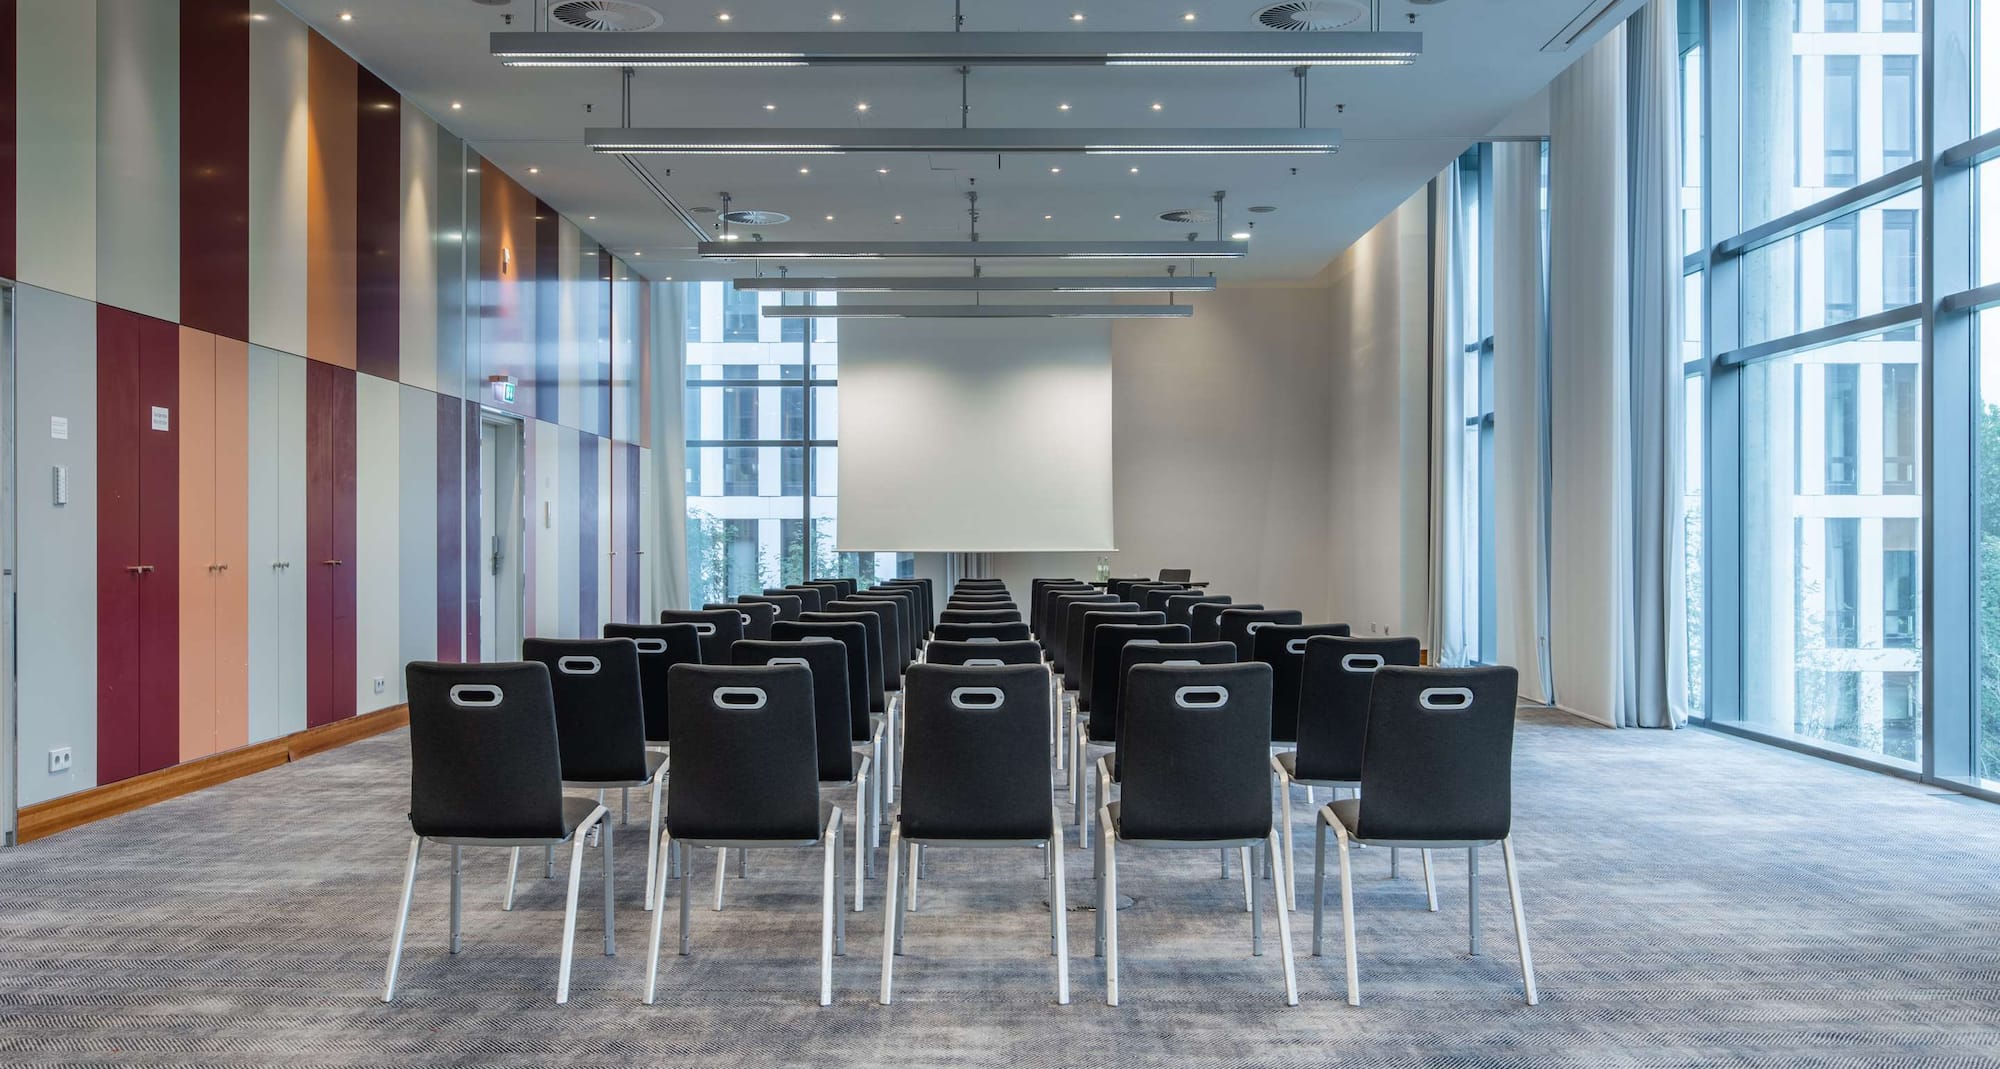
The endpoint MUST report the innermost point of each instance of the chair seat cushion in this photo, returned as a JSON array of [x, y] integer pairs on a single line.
[[655, 760], [575, 812], [1118, 828], [1348, 812]]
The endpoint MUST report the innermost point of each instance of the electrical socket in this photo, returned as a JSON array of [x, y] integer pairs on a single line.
[[381, 684], [60, 760]]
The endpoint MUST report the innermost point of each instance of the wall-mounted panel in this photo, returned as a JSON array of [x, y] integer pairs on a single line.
[[280, 138], [330, 203], [56, 134], [544, 467], [417, 508], [449, 546], [9, 90], [569, 522], [378, 215], [548, 311], [56, 659], [275, 559], [232, 543], [138, 156], [590, 532], [417, 314], [197, 544], [577, 258], [378, 548], [507, 305], [330, 543], [475, 541], [215, 166]]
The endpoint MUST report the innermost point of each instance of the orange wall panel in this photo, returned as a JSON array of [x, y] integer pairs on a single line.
[[332, 284], [232, 544], [196, 419]]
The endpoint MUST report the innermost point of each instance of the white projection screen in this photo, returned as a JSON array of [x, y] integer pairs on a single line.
[[975, 436]]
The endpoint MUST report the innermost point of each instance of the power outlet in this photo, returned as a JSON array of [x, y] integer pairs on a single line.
[[381, 684], [60, 760]]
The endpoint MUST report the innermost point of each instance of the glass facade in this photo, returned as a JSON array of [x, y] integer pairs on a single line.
[[759, 429]]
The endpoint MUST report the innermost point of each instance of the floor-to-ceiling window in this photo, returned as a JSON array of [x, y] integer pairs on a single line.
[[1694, 237], [1844, 375], [761, 413], [1474, 270]]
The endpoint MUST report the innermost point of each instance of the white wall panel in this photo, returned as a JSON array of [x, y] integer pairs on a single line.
[[547, 446], [417, 523], [138, 156], [419, 303], [280, 126], [377, 544], [277, 551], [56, 157]]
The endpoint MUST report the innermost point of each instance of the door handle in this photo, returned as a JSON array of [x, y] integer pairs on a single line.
[[138, 569], [331, 563], [281, 564]]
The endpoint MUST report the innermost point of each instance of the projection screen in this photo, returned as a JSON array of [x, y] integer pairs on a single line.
[[975, 436]]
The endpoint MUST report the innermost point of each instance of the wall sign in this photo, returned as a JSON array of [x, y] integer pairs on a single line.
[[59, 428], [159, 418]]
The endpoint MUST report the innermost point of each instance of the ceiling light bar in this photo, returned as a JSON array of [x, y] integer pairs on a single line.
[[981, 284], [981, 250], [978, 311], [946, 49], [754, 141]]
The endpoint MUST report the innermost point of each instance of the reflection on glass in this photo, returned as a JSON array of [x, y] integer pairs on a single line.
[[1986, 220], [1694, 143], [1830, 547], [1829, 98], [1692, 450], [1850, 266]]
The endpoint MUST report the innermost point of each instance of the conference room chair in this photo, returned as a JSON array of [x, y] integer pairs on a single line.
[[1015, 632], [1176, 575], [1205, 620], [884, 666], [829, 590], [1118, 584], [510, 796], [1138, 591], [1437, 765], [788, 605], [1240, 624], [1155, 598], [1179, 606], [905, 601], [600, 727], [1096, 723], [747, 778], [1043, 611], [1335, 674], [976, 603], [863, 729], [980, 583], [811, 598], [925, 616], [1084, 620], [1195, 773], [976, 774], [1070, 671], [757, 618], [846, 584], [1039, 595], [980, 616], [719, 629], [839, 764], [660, 646], [1283, 647], [983, 654]]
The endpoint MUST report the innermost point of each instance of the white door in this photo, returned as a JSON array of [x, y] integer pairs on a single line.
[[503, 578]]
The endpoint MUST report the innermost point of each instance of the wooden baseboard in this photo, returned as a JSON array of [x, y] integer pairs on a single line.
[[44, 819]]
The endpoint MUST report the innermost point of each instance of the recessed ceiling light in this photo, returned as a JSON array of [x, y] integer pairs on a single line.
[[1062, 107], [258, 16], [1157, 106], [669, 278], [829, 218], [1078, 17], [899, 218], [472, 170], [636, 252], [722, 16], [836, 17], [347, 16], [805, 170], [770, 107], [1046, 218], [592, 218], [456, 106], [1189, 17], [534, 170], [1135, 170], [1240, 235], [1055, 170], [863, 106], [881, 170], [1117, 217]]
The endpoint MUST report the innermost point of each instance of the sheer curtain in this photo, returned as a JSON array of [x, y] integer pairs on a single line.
[[670, 572], [1448, 633], [1520, 418], [1653, 633]]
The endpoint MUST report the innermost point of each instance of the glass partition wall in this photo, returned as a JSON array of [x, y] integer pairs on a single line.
[[1843, 378], [762, 411]]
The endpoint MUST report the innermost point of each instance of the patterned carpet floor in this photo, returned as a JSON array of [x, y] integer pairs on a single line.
[[1694, 899]]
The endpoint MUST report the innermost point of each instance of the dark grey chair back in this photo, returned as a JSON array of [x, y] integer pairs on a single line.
[[853, 639], [978, 654], [1056, 622], [1076, 646], [847, 584], [505, 714], [1155, 598], [1334, 680], [1196, 761], [789, 605], [925, 616], [719, 629], [1016, 632], [1240, 624], [980, 616], [871, 643], [1133, 654], [833, 723], [1101, 677], [976, 753], [1179, 605], [1438, 761], [757, 617], [829, 591], [1038, 599], [1117, 585], [600, 716], [1176, 575], [907, 612], [1283, 647], [746, 755], [811, 598], [1205, 620], [895, 656], [660, 646]]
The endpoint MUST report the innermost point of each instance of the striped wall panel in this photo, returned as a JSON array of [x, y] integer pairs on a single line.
[[138, 157], [378, 226], [280, 135], [9, 88], [475, 541], [276, 559], [215, 166], [449, 546], [330, 204], [417, 510], [55, 124], [588, 535], [378, 543], [545, 561], [417, 267]]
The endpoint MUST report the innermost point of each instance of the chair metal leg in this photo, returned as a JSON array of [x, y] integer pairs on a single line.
[[1107, 907], [624, 805], [1059, 908], [402, 920], [569, 910], [658, 904], [1347, 915], [457, 896], [513, 868], [1225, 863], [548, 863], [687, 893], [862, 856], [839, 894], [721, 873], [1257, 917], [827, 908], [1395, 863], [1285, 796], [1319, 877], [610, 914], [916, 874], [908, 903], [891, 915], [653, 838], [1430, 883], [1472, 899], [1097, 873], [1285, 929], [1520, 920], [1249, 878], [742, 864]]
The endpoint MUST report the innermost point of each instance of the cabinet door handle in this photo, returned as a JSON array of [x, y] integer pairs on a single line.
[[331, 563], [138, 569], [281, 564], [222, 567]]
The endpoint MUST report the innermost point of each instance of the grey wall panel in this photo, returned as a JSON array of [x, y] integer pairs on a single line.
[[56, 372], [291, 508], [280, 129], [452, 262], [417, 522], [56, 146], [264, 632], [569, 560], [377, 513], [138, 156]]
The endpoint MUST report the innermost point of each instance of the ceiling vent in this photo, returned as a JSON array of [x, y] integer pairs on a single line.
[[1294, 16], [1189, 215], [754, 217], [1263, 209], [605, 16]]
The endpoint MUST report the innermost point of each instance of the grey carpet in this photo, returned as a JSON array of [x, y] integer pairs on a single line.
[[1693, 900]]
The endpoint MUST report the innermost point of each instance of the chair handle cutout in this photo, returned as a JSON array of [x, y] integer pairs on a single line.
[[744, 698], [1361, 662], [1295, 645], [984, 638], [1445, 699], [579, 666], [1255, 626], [963, 698], [800, 661], [704, 629], [476, 695], [1181, 664], [1201, 697], [983, 662], [650, 645], [745, 617]]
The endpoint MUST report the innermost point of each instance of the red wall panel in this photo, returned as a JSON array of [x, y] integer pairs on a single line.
[[215, 166], [451, 528], [9, 79], [330, 543], [378, 165], [118, 446]]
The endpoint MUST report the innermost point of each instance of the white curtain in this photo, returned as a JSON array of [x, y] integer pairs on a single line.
[[1448, 633], [1520, 418], [1653, 632], [670, 572]]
